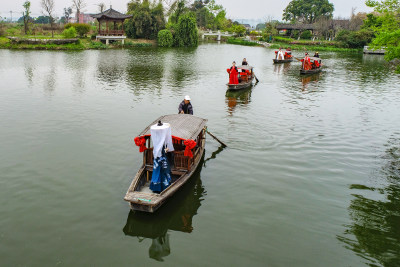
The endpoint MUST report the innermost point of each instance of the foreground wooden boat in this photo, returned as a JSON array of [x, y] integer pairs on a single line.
[[246, 78], [278, 61], [184, 127], [312, 71], [315, 64]]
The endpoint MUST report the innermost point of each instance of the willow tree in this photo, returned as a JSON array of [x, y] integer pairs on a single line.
[[186, 31], [307, 11]]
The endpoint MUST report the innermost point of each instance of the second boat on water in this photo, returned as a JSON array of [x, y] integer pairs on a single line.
[[245, 80]]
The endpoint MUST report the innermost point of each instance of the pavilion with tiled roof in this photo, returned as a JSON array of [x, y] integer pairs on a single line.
[[114, 25]]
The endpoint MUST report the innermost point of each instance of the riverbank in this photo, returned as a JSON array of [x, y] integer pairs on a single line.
[[305, 45], [81, 44]]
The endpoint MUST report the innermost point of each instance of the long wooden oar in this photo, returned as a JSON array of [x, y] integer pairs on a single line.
[[213, 136], [256, 78]]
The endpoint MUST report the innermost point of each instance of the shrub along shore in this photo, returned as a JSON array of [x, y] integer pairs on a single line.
[[80, 44]]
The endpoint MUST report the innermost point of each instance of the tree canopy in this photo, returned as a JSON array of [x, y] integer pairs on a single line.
[[147, 19], [307, 11], [386, 27]]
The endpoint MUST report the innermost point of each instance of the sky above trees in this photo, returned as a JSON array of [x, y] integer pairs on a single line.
[[248, 9]]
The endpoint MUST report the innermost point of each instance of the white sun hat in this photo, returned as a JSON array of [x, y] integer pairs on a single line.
[[187, 97]]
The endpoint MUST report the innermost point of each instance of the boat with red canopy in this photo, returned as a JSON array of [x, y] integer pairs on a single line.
[[185, 149], [312, 66], [287, 57], [245, 79]]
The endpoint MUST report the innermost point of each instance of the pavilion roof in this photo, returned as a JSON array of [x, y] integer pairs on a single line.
[[111, 14]]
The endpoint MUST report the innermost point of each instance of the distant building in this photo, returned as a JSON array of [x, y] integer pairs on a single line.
[[83, 18]]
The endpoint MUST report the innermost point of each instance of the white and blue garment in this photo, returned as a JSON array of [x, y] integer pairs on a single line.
[[161, 138]]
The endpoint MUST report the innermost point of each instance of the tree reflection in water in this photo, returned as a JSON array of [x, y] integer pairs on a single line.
[[177, 215], [376, 222]]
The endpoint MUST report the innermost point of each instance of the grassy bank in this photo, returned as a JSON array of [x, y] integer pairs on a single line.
[[305, 45], [238, 41], [82, 44]]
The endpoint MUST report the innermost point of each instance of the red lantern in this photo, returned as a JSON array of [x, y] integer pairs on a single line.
[[141, 143], [190, 144]]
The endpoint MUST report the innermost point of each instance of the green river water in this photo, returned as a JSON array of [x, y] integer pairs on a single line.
[[311, 175]]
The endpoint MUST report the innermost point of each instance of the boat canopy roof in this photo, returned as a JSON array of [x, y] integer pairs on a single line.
[[245, 67], [183, 126]]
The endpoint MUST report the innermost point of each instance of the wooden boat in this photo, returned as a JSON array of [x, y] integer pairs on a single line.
[[246, 79], [313, 70], [183, 127], [278, 61]]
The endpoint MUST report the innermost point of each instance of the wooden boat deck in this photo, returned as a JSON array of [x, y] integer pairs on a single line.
[[184, 127]]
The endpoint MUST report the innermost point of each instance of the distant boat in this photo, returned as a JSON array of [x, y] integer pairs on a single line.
[[184, 127], [246, 78], [287, 57]]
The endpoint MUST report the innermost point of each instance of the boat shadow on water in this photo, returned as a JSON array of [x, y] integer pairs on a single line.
[[176, 215]]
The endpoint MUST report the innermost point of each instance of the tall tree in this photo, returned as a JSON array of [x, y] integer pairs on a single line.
[[307, 11], [147, 19], [67, 13], [26, 15], [102, 7], [48, 9], [78, 5], [187, 33], [387, 29]]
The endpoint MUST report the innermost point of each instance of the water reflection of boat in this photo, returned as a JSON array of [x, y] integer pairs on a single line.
[[176, 215], [305, 80], [281, 67], [241, 97], [188, 139]]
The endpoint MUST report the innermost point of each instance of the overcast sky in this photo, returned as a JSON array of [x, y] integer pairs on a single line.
[[246, 9]]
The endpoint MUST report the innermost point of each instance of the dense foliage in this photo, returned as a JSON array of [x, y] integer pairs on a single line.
[[186, 31], [306, 35], [81, 28], [355, 39], [165, 38], [307, 11], [69, 32], [147, 19], [386, 27]]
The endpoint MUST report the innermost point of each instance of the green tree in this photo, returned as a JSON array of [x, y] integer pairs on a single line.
[[147, 20], [26, 15], [187, 33], [307, 11], [67, 14], [42, 20], [69, 32], [165, 38], [387, 31], [306, 35], [238, 30]]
